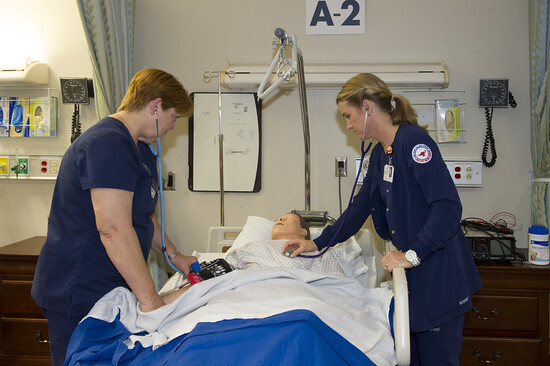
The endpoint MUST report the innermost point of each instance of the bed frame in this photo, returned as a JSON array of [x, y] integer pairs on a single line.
[[220, 238]]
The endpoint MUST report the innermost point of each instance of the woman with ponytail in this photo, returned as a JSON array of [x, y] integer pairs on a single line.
[[414, 203]]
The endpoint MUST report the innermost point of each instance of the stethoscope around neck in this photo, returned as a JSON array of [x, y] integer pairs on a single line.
[[157, 153], [346, 213]]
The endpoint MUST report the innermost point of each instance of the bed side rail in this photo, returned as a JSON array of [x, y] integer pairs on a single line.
[[220, 238], [401, 316]]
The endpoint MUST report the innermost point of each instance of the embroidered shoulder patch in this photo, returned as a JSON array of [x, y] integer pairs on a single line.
[[421, 153]]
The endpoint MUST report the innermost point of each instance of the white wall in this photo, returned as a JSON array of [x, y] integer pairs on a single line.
[[49, 31], [477, 39]]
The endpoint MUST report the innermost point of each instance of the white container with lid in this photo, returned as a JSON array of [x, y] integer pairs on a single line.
[[538, 245]]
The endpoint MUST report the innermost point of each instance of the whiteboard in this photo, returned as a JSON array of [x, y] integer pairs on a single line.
[[241, 130]]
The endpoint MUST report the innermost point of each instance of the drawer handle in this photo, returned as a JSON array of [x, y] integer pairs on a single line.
[[38, 336], [494, 312], [481, 360]]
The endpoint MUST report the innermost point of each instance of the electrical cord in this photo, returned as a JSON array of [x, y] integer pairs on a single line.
[[340, 191], [478, 224], [505, 219]]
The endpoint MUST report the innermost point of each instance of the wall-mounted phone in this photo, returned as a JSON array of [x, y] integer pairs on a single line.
[[493, 93], [77, 91]]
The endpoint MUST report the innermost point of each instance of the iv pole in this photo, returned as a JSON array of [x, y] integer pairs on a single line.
[[207, 75], [285, 71]]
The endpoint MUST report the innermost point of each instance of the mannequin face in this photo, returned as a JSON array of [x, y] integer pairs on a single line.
[[355, 118], [288, 227]]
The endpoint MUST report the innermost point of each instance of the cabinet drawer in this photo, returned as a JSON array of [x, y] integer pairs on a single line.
[[500, 351], [19, 336], [503, 313], [17, 301], [25, 360]]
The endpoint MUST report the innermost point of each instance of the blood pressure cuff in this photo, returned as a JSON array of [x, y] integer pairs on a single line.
[[211, 269]]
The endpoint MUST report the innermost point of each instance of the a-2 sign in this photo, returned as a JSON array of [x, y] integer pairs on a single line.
[[335, 16]]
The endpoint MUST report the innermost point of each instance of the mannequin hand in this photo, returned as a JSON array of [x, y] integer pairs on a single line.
[[153, 303]]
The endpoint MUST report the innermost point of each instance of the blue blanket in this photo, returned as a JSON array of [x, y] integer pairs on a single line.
[[295, 337]]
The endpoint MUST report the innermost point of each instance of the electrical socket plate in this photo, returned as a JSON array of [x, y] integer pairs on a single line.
[[341, 167], [48, 166], [465, 172]]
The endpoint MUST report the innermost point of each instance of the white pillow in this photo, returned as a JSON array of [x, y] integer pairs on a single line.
[[256, 228], [259, 228]]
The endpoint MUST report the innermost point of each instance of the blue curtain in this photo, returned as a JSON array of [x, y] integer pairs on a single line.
[[109, 30], [539, 110]]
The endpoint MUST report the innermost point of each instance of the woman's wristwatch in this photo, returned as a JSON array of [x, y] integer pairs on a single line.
[[411, 256], [173, 254]]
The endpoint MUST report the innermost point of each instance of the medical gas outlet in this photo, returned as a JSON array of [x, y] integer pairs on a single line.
[[4, 161], [21, 167]]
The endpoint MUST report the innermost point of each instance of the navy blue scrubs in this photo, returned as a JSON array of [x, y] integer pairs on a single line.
[[419, 210], [73, 269]]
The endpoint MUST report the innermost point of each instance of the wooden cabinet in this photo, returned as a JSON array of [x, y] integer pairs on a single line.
[[509, 324], [23, 329]]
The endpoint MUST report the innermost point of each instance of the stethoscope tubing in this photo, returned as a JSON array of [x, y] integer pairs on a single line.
[[157, 154]]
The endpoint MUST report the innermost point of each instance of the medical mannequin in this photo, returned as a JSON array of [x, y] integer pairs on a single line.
[[101, 225], [413, 202], [288, 226]]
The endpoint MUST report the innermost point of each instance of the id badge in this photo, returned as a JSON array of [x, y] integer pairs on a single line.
[[388, 173]]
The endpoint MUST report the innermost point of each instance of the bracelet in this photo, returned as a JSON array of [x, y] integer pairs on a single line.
[[174, 254]]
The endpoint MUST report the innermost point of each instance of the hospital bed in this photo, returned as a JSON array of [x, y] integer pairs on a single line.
[[227, 317]]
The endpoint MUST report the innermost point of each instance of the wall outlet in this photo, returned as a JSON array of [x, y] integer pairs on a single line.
[[465, 173], [170, 181], [48, 166], [341, 167]]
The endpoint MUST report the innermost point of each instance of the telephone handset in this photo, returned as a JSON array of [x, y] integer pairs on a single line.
[[493, 93]]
